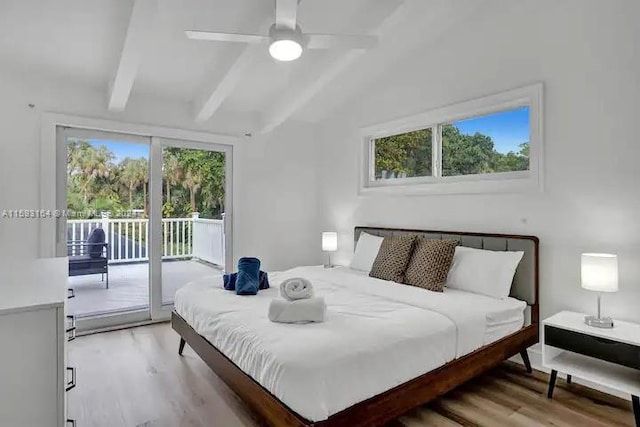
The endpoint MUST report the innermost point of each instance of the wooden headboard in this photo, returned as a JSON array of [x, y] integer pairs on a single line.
[[525, 284]]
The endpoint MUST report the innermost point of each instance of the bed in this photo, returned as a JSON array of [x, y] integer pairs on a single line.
[[385, 348]]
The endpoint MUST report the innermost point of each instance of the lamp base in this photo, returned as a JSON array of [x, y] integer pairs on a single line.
[[599, 322], [328, 263]]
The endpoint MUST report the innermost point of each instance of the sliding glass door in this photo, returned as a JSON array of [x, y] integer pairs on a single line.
[[107, 229], [194, 218], [143, 217]]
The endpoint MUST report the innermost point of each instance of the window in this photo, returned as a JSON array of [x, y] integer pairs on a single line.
[[474, 146], [491, 143]]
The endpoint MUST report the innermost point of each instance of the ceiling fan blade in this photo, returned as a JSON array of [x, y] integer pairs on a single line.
[[327, 41], [286, 14], [225, 37]]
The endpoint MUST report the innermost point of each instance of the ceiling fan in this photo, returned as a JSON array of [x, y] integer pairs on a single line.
[[286, 40]]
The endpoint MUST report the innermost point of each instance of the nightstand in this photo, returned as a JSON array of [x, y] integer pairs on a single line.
[[608, 357]]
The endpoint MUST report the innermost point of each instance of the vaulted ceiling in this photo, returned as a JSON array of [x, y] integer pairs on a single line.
[[138, 48]]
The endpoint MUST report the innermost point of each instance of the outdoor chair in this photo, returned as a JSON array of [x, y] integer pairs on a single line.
[[90, 256]]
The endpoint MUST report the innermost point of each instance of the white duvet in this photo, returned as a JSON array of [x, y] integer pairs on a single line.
[[377, 335]]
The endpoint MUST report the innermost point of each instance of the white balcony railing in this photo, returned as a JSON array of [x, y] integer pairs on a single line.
[[182, 238], [207, 248]]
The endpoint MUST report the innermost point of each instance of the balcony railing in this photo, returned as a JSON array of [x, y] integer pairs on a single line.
[[182, 238]]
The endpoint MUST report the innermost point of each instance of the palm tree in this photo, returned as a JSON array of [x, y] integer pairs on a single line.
[[143, 175], [172, 173], [76, 149], [130, 176], [192, 181], [92, 164]]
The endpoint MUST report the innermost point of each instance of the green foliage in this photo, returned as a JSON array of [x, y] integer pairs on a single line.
[[201, 174], [168, 210], [514, 161], [107, 203], [133, 175], [466, 154], [88, 168], [410, 154], [193, 181]]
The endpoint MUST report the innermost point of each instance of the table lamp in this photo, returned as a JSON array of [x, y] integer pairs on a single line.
[[599, 272], [329, 244]]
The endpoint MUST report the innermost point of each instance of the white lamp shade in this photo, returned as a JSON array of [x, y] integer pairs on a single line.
[[599, 272], [329, 241]]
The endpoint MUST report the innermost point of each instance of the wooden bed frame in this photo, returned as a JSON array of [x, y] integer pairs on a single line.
[[387, 406]]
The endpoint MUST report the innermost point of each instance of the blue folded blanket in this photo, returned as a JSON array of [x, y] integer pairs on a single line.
[[229, 281], [248, 279]]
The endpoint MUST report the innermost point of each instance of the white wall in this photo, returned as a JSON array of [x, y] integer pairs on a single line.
[[586, 54], [272, 197], [278, 220]]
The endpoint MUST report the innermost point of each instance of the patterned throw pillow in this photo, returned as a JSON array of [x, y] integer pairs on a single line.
[[393, 257], [430, 263]]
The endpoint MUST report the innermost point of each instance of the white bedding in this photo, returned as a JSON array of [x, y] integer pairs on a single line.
[[377, 335], [502, 316]]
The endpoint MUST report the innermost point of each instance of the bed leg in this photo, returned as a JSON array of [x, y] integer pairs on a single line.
[[525, 359], [568, 379], [181, 348]]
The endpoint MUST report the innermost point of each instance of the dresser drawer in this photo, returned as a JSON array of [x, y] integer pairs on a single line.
[[600, 348]]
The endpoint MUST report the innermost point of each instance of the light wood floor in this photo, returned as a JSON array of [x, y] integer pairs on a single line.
[[134, 377]]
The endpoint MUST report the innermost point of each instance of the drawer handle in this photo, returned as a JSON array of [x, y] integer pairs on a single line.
[[71, 422], [605, 341], [72, 383], [70, 293], [71, 330]]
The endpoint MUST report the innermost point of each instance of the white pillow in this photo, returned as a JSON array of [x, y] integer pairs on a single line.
[[366, 252], [483, 272]]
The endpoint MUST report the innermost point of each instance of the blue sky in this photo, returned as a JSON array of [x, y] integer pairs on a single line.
[[508, 129], [122, 149]]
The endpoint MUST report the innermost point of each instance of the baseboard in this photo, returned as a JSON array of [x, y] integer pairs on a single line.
[[535, 356]]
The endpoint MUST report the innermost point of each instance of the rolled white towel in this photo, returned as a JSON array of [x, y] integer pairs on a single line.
[[300, 311], [296, 288]]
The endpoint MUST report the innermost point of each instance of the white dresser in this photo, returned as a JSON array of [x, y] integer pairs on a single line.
[[34, 376]]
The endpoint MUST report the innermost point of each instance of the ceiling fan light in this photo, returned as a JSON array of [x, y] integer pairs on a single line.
[[285, 50]]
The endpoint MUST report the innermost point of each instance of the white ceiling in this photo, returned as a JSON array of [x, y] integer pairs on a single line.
[[79, 39], [84, 40]]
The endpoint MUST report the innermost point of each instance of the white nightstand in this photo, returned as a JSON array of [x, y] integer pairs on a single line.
[[609, 357]]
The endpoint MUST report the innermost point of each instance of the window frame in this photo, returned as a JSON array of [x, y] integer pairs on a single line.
[[516, 181]]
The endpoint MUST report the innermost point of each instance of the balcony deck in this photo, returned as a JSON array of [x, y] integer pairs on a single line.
[[129, 286]]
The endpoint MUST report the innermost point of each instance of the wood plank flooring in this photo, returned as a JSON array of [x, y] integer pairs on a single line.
[[134, 377]]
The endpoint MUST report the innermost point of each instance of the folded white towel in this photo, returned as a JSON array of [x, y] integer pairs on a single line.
[[300, 311], [296, 288]]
